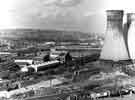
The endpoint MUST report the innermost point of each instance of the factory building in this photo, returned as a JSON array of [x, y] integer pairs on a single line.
[[23, 62], [115, 48], [62, 56], [41, 66], [9, 66], [45, 65]]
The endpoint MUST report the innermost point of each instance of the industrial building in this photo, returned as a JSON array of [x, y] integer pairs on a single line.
[[62, 56], [9, 65], [23, 62], [41, 66]]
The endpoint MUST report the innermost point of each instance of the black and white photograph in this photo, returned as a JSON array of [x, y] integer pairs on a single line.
[[67, 50]]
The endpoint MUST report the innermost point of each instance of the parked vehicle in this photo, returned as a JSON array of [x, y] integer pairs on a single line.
[[131, 88], [124, 91]]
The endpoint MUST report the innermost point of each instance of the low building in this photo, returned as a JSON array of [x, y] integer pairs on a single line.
[[23, 62], [62, 56], [9, 66], [41, 58], [44, 66]]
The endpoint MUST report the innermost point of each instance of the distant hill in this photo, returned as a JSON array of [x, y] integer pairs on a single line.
[[43, 35]]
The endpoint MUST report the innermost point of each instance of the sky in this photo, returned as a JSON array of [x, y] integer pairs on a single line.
[[76, 15]]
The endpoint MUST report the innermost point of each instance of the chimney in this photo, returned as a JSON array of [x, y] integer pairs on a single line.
[[114, 48], [131, 35]]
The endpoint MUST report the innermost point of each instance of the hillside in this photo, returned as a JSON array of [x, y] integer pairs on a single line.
[[45, 35]]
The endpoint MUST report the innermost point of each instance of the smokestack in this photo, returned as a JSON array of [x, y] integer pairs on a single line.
[[131, 35], [114, 48]]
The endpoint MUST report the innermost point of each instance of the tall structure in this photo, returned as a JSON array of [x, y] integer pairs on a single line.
[[126, 28], [114, 48], [129, 19], [131, 35]]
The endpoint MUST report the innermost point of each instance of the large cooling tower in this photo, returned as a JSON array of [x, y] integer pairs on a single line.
[[126, 28], [114, 48], [129, 15], [131, 35]]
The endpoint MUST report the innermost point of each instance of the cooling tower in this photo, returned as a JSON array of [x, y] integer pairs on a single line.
[[126, 28], [131, 35], [114, 48], [129, 19]]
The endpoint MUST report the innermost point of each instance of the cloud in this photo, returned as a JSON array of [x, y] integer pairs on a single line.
[[55, 14], [49, 2], [43, 9], [68, 2], [62, 3], [92, 13]]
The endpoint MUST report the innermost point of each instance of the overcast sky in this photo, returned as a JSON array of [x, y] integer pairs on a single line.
[[78, 15]]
